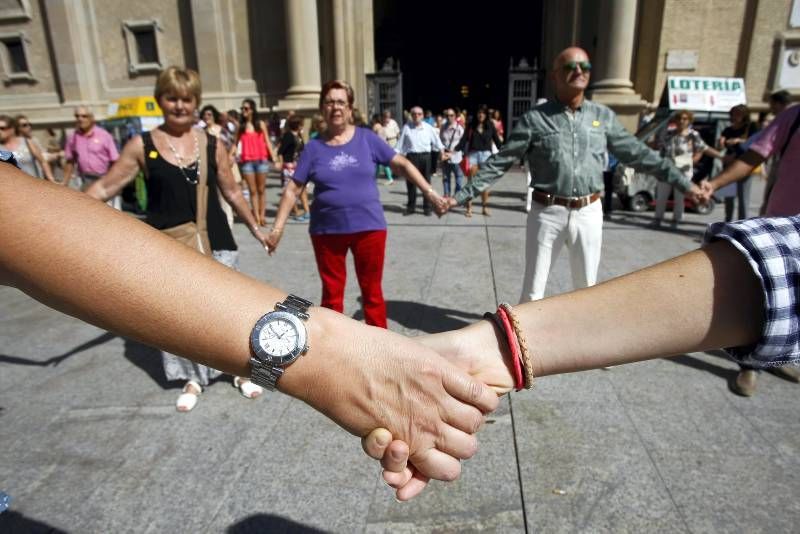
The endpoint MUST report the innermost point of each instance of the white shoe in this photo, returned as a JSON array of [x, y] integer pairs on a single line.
[[248, 389], [188, 399]]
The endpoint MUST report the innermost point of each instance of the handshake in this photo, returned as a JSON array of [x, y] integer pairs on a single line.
[[441, 204], [418, 402]]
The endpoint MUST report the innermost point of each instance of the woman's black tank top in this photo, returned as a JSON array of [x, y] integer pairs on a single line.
[[172, 200]]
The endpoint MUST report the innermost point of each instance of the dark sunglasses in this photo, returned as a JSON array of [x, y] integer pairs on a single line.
[[572, 66], [24, 125], [5, 127]]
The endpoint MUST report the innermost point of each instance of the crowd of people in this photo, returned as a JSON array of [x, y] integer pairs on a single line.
[[203, 166], [742, 283]]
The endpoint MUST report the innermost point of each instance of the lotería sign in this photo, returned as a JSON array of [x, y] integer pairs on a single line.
[[703, 93]]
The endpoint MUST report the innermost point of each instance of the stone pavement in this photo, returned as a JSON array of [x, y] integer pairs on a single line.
[[90, 440]]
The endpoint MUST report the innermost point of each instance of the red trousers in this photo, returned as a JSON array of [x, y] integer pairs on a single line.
[[369, 249]]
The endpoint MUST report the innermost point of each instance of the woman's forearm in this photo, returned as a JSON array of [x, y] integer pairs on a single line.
[[167, 295], [288, 200], [706, 299], [738, 169]]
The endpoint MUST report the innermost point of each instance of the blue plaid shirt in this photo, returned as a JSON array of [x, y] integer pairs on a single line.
[[8, 157], [772, 247]]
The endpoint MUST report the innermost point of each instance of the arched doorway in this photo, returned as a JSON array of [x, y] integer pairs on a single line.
[[446, 46]]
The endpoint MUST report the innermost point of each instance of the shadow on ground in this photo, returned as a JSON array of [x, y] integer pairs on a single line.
[[729, 375], [424, 317], [12, 521], [56, 360], [270, 523], [148, 359]]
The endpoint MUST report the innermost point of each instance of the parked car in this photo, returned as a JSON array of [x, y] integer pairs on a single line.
[[637, 190]]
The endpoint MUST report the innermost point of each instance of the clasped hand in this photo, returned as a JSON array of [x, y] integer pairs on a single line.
[[473, 350]]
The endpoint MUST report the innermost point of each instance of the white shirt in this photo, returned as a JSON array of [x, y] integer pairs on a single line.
[[418, 139]]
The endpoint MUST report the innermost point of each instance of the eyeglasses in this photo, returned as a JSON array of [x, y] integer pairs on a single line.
[[416, 113], [6, 127], [572, 66], [24, 125], [81, 116], [335, 104]]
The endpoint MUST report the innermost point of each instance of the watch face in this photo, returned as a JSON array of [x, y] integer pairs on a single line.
[[279, 338]]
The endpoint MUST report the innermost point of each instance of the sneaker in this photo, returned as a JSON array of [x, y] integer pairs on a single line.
[[745, 384], [408, 211]]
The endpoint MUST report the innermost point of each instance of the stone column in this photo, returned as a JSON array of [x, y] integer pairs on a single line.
[[77, 68], [354, 44], [340, 38], [222, 61], [303, 55], [611, 78]]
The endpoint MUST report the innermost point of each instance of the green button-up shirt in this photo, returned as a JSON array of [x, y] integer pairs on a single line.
[[566, 150]]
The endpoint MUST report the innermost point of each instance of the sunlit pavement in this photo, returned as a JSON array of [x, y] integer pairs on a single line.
[[90, 440]]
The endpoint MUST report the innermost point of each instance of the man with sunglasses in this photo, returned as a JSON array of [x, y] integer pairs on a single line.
[[565, 141], [93, 150]]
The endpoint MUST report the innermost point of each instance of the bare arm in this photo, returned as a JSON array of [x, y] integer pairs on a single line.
[[352, 372], [268, 143], [402, 166], [737, 170], [122, 172], [288, 200], [69, 167], [233, 193], [710, 151], [37, 154], [720, 306]]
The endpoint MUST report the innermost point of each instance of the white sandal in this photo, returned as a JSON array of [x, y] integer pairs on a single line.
[[248, 389], [188, 399]]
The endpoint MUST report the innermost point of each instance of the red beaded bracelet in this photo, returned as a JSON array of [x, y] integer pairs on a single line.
[[511, 337]]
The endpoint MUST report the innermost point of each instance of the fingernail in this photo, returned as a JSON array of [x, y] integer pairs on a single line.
[[397, 455], [382, 440]]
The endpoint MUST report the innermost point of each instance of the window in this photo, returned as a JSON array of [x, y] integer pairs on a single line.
[[16, 54], [146, 49], [14, 58], [15, 10], [142, 40]]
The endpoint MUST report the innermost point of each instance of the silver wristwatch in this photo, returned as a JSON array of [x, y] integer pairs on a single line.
[[277, 340]]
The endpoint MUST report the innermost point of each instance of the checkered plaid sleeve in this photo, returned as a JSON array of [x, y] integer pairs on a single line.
[[8, 157], [772, 247]]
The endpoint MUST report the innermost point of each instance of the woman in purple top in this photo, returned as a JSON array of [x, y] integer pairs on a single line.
[[347, 213]]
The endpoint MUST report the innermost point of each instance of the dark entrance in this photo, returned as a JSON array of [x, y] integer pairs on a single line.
[[445, 46]]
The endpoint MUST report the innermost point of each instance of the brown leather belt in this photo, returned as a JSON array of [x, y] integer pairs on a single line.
[[570, 202]]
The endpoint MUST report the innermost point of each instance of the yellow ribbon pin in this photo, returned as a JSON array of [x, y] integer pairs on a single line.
[[153, 154], [595, 123]]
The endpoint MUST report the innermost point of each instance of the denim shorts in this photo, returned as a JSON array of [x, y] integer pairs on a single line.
[[478, 157], [252, 167]]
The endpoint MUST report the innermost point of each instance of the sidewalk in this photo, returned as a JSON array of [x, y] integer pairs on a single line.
[[90, 440]]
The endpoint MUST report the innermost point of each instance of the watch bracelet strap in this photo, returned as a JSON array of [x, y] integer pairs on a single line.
[[264, 375], [297, 305]]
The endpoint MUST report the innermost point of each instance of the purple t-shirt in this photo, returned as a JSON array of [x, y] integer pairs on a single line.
[[346, 198]]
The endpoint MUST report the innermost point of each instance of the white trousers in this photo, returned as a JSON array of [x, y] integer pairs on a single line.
[[549, 229], [662, 195]]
